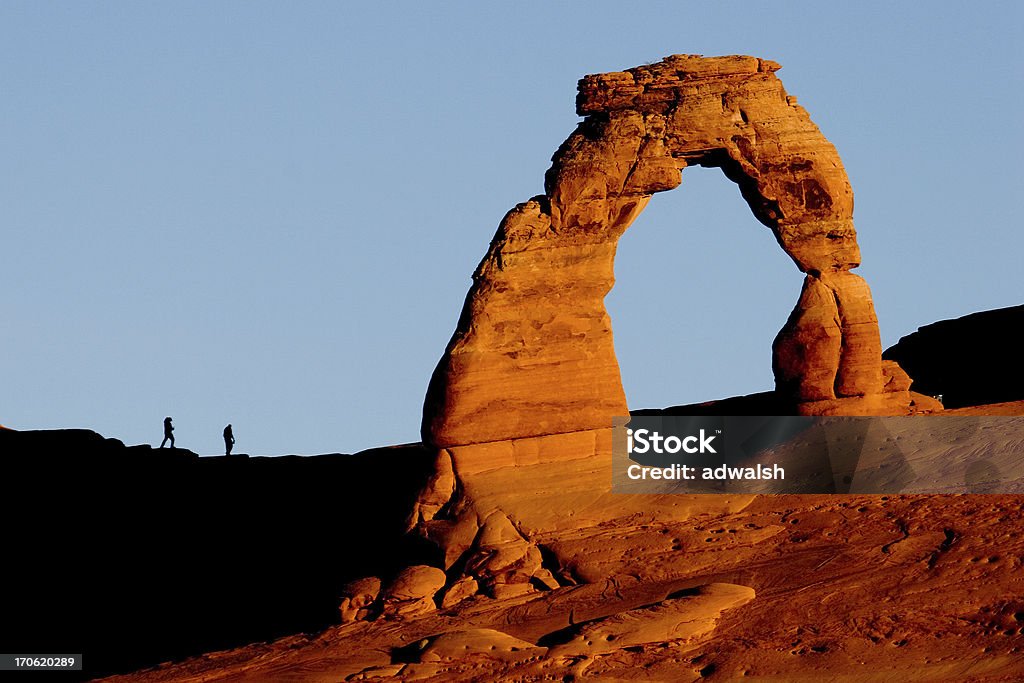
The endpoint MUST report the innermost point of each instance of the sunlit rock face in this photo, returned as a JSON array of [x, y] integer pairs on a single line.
[[532, 353]]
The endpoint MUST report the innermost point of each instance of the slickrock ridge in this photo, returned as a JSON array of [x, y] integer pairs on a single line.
[[920, 588], [970, 360], [689, 616], [532, 354], [165, 554]]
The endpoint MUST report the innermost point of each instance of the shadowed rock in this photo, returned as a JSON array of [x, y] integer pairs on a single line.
[[357, 598], [971, 360], [155, 554]]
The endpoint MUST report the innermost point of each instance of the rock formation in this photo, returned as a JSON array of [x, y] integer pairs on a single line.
[[412, 592], [478, 642], [691, 615], [969, 361], [505, 563], [520, 407], [358, 598], [788, 588], [532, 354]]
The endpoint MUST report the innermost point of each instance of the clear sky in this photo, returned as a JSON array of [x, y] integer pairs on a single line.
[[268, 213]]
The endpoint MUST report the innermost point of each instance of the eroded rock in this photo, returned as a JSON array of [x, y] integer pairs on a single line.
[[436, 492], [503, 561], [462, 589], [532, 354], [895, 377], [357, 599], [412, 592], [681, 618], [806, 352], [483, 643]]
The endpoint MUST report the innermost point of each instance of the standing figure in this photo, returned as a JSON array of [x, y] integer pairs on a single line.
[[168, 432], [229, 440]]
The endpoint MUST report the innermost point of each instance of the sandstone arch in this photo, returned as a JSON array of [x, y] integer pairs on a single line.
[[532, 354]]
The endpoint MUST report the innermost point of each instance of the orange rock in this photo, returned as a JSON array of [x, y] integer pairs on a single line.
[[502, 556], [860, 365], [896, 379], [462, 589], [435, 493], [412, 592], [532, 354], [806, 353], [484, 643], [889, 403], [357, 598]]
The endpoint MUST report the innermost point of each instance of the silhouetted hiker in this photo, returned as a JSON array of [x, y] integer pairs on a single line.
[[168, 432], [229, 440]]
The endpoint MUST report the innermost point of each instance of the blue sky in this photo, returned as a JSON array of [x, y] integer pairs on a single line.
[[268, 213]]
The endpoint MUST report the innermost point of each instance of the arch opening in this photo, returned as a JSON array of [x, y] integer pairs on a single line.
[[701, 287]]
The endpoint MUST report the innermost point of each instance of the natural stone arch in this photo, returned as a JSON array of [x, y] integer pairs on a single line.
[[532, 354]]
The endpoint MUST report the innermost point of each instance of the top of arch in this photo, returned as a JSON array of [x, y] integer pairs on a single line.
[[647, 87]]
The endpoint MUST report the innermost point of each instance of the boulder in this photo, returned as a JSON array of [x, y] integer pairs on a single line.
[[462, 589], [502, 558], [357, 599], [412, 592]]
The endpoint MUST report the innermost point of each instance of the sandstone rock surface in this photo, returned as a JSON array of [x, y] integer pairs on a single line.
[[921, 588], [435, 493], [357, 598], [482, 642], [412, 592], [677, 618], [532, 353], [463, 588], [502, 560]]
